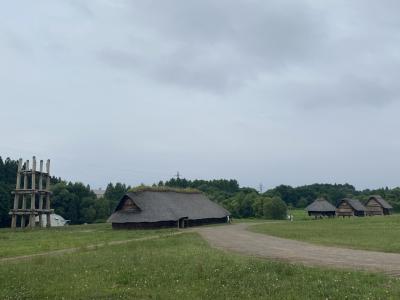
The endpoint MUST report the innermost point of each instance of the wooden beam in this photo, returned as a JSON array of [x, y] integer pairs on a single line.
[[29, 191], [33, 177], [16, 196], [41, 195], [48, 224], [23, 219]]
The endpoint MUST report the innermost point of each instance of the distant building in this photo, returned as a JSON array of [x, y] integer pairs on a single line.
[[55, 221], [350, 207], [99, 193], [377, 206], [321, 208]]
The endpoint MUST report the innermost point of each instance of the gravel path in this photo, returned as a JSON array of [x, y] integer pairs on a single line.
[[237, 239]]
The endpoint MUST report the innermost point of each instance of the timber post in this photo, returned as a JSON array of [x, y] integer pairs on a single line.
[[23, 218], [48, 212], [33, 194], [16, 196], [41, 195]]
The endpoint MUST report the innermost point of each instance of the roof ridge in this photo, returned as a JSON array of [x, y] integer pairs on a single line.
[[164, 189]]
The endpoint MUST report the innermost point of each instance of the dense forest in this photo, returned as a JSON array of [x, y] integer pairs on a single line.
[[77, 203]]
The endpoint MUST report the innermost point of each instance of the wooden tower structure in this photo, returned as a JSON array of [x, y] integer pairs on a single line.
[[36, 188]]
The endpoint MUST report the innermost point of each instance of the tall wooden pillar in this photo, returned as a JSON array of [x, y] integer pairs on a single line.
[[16, 196], [48, 224], [41, 194], [23, 217], [33, 195]]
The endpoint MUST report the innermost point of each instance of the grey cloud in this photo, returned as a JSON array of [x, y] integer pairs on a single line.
[[119, 59], [348, 91], [263, 91], [219, 46], [82, 7]]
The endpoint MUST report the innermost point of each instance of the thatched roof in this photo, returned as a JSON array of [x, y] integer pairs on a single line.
[[354, 203], [320, 205], [167, 206], [381, 201]]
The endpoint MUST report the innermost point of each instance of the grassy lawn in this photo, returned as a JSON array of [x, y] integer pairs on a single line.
[[248, 220], [23, 242], [181, 267], [371, 233], [299, 214]]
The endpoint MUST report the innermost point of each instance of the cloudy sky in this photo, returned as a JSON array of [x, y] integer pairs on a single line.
[[273, 92]]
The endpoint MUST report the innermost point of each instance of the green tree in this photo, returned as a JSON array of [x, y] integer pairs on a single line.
[[274, 208], [102, 209], [5, 204], [114, 193]]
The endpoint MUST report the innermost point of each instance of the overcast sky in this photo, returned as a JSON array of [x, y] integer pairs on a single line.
[[273, 92]]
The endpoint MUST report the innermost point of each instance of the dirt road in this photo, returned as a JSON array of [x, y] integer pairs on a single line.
[[237, 239]]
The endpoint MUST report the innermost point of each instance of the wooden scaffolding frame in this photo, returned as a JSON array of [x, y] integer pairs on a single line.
[[36, 186]]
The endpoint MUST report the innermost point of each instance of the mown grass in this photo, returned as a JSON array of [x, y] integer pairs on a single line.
[[22, 242], [249, 220], [181, 267], [371, 233], [299, 214]]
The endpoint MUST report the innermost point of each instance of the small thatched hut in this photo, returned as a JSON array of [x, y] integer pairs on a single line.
[[350, 207], [321, 208], [377, 206], [155, 209]]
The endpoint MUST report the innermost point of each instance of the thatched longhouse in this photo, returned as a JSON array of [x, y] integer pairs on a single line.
[[155, 209], [377, 206], [350, 207], [321, 208]]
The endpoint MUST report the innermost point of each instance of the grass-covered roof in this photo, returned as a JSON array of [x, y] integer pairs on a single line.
[[145, 188]]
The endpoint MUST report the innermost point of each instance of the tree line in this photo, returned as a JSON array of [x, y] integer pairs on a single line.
[[241, 202], [76, 202], [301, 196]]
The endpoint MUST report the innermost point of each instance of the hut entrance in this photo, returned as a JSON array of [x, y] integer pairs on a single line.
[[183, 222]]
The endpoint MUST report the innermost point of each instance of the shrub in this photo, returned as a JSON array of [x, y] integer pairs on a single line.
[[274, 208]]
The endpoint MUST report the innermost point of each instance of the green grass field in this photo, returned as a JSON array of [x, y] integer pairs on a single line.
[[176, 267], [249, 220], [371, 233], [299, 214], [23, 242]]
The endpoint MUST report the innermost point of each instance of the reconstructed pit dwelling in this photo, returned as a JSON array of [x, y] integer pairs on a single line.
[[158, 209], [375, 206], [321, 208]]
